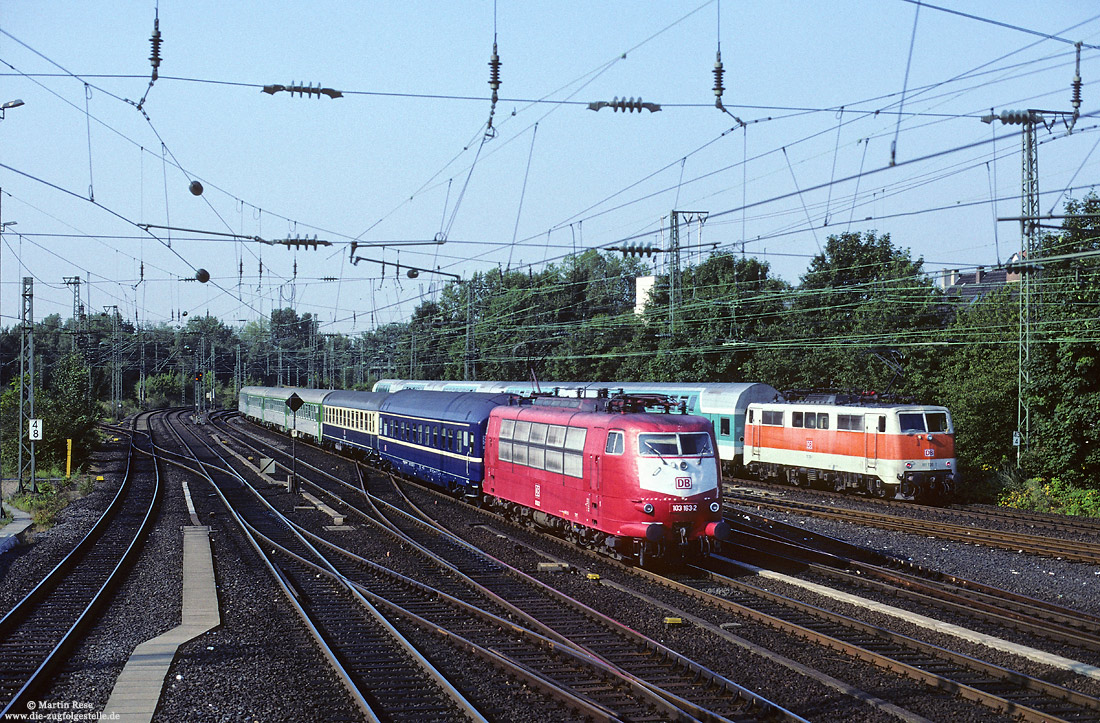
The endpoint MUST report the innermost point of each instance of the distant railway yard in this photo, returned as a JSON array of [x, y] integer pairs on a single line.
[[362, 596]]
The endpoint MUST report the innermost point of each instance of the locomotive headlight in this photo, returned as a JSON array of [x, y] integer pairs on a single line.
[[683, 464], [647, 508], [715, 506]]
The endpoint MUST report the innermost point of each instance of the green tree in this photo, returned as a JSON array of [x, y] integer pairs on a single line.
[[861, 300], [1065, 351], [978, 382]]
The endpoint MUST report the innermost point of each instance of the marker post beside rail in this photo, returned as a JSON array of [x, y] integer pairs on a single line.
[[295, 403]]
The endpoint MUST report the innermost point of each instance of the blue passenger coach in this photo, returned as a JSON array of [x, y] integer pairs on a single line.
[[351, 420], [437, 436]]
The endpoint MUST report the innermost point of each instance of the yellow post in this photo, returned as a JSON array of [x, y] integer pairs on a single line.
[[69, 458]]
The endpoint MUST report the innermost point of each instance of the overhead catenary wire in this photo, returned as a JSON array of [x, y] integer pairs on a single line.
[[744, 185], [905, 86]]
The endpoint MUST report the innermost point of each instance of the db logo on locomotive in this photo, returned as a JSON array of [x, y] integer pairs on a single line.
[[683, 483]]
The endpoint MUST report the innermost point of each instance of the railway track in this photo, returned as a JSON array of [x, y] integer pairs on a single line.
[[998, 688], [1074, 550], [387, 676], [966, 514], [623, 669], [852, 567], [43, 628], [1003, 690]]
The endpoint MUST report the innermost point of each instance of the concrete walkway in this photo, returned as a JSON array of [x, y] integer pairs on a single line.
[[13, 533], [137, 690]]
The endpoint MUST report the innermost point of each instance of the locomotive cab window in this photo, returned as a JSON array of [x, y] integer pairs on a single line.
[[615, 443], [674, 445], [937, 422], [911, 423], [695, 444]]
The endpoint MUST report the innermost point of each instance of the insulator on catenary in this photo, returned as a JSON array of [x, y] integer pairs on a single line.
[[1076, 102], [637, 250], [306, 90], [625, 105], [718, 73], [154, 58], [494, 83], [494, 72]]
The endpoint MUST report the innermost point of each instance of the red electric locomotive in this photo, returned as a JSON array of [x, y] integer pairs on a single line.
[[607, 474]]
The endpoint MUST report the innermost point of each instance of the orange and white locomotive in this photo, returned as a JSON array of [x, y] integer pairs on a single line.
[[854, 443]]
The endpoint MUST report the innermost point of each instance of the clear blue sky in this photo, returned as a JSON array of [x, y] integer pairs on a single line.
[[400, 157]]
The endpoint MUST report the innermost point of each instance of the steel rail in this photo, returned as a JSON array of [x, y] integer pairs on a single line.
[[827, 628], [1033, 544], [105, 564], [998, 607], [558, 642], [308, 611], [438, 530]]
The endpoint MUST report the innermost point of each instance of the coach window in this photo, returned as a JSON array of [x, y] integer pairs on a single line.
[[724, 426], [615, 443], [822, 420], [435, 436], [796, 419]]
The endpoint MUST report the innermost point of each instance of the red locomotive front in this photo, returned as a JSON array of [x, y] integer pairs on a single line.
[[607, 474]]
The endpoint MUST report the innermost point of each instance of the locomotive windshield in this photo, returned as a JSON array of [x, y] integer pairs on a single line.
[[911, 422], [916, 422], [688, 444]]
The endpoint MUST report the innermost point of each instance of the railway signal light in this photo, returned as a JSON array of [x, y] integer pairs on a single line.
[[198, 376]]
